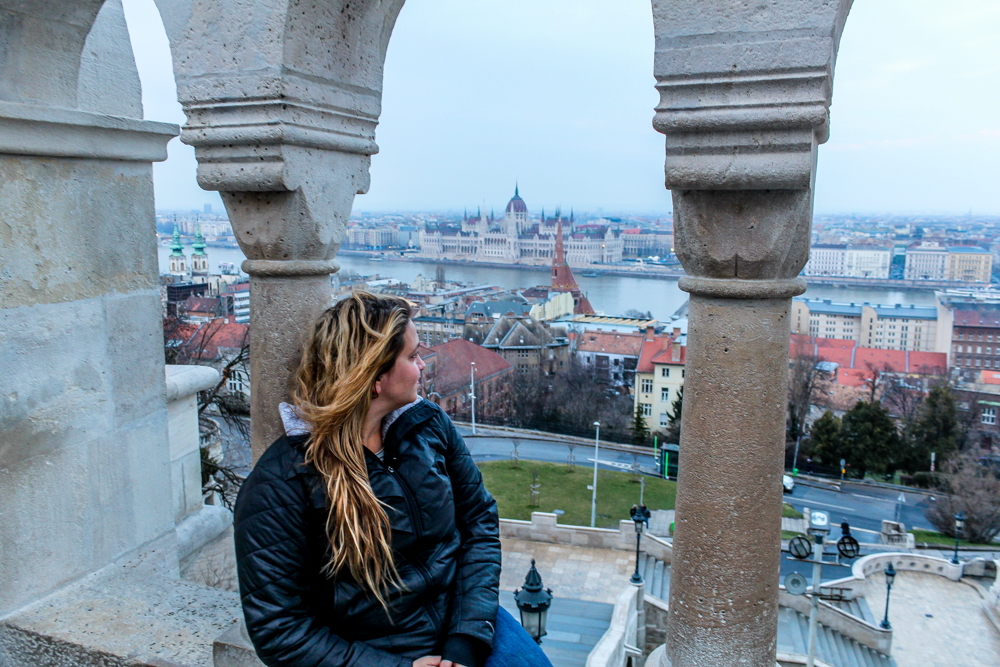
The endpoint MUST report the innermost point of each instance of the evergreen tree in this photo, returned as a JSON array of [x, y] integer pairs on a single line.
[[674, 418], [825, 441], [936, 429], [869, 439], [640, 432]]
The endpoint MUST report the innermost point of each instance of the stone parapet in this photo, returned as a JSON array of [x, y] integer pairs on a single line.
[[837, 619], [183, 384], [133, 613], [544, 527], [622, 638]]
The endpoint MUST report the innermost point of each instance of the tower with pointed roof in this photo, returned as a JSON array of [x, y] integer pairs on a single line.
[[562, 276], [177, 259], [199, 259]]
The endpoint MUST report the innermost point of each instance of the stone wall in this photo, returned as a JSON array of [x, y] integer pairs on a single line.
[[84, 461], [544, 527]]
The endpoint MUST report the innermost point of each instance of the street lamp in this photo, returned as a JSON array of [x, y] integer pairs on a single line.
[[959, 525], [890, 576], [472, 394], [533, 602], [640, 515], [593, 499]]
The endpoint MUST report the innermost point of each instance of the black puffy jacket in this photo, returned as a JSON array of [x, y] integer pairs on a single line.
[[445, 539]]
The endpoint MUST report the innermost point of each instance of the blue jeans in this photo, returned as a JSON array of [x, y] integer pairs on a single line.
[[513, 647]]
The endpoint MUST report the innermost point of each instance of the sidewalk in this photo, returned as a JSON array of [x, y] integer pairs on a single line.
[[936, 622], [580, 573]]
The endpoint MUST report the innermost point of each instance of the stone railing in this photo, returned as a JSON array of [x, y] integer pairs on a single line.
[[621, 640], [544, 527], [196, 523], [991, 605], [904, 562], [657, 617], [866, 634]]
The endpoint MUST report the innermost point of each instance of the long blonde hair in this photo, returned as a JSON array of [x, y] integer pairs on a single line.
[[351, 346]]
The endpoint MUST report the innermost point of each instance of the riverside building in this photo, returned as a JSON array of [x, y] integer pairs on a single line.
[[881, 327], [514, 238]]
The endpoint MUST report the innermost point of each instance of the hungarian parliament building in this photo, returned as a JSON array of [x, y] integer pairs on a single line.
[[515, 238]]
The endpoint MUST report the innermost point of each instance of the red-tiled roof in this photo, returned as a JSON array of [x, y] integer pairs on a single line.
[[452, 363], [201, 304], [977, 318], [659, 350], [858, 363], [207, 340], [628, 344]]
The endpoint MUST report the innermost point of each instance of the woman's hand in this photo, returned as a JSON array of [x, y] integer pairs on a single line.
[[429, 661], [449, 663]]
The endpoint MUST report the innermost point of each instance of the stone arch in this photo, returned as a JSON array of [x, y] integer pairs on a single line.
[[282, 98]]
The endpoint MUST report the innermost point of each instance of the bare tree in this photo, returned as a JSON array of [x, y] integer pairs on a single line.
[[968, 487], [902, 398], [807, 386]]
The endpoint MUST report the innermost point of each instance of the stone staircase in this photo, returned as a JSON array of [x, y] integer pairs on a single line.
[[831, 646], [793, 628], [656, 574]]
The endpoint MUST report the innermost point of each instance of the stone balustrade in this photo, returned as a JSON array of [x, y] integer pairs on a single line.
[[544, 527], [622, 640], [866, 634]]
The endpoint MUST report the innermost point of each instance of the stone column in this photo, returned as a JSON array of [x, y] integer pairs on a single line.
[[744, 103], [282, 100]]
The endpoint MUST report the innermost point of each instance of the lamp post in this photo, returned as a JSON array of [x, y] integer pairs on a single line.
[[959, 525], [533, 602], [593, 499], [472, 394], [890, 576], [640, 515]]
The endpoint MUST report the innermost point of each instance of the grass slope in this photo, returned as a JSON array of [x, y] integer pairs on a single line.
[[565, 490]]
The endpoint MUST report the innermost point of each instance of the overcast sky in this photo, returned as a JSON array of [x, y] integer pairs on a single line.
[[558, 95]]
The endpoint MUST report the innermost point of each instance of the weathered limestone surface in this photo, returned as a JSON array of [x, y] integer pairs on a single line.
[[135, 613], [84, 467], [281, 109], [745, 91]]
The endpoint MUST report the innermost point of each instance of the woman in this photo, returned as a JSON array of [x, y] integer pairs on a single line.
[[364, 536]]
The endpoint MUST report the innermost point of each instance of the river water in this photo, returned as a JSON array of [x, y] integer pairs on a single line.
[[612, 295]]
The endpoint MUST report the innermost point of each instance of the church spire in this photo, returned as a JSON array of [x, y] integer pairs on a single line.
[[515, 189], [176, 249], [199, 241]]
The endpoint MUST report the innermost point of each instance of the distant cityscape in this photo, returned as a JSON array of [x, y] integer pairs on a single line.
[[903, 251]]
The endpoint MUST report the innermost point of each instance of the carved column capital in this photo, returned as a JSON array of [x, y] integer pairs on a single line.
[[745, 90], [282, 99]]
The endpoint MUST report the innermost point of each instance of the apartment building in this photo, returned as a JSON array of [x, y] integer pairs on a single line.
[[969, 265], [926, 261], [659, 377], [896, 327], [853, 261]]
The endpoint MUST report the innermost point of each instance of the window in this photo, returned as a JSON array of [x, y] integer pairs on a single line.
[[665, 394], [523, 354], [664, 420], [647, 386], [989, 416], [664, 372], [682, 372], [647, 409]]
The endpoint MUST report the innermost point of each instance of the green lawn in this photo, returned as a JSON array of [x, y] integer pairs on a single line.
[[567, 491], [789, 534], [789, 512], [932, 537]]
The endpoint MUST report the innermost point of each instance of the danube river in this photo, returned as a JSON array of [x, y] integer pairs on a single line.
[[612, 295]]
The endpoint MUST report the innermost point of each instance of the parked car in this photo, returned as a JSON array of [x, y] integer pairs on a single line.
[[787, 483]]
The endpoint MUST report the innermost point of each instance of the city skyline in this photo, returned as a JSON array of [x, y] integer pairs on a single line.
[[480, 94]]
